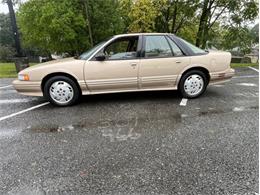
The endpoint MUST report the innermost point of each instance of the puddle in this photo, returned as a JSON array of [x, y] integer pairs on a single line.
[[211, 111], [116, 129], [235, 109], [45, 128]]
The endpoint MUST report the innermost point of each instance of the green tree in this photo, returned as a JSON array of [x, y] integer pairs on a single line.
[[68, 26], [175, 15], [142, 16], [241, 38], [106, 19], [53, 27], [224, 11], [6, 35], [255, 33]]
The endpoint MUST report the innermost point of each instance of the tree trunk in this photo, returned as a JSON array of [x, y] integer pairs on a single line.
[[15, 29], [205, 37], [202, 23], [85, 2], [174, 17]]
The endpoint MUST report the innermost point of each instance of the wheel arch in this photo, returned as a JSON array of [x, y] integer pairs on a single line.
[[48, 76], [201, 68]]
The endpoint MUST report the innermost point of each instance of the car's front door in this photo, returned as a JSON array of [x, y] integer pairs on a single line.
[[162, 62], [118, 71]]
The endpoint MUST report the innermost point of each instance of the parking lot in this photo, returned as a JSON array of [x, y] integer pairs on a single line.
[[133, 143]]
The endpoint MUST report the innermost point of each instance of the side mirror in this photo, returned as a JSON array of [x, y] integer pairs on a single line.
[[100, 57]]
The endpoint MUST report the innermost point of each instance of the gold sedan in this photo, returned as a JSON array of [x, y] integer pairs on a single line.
[[125, 63]]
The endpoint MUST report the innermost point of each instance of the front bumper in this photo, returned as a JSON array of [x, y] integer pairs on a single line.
[[30, 88], [220, 77]]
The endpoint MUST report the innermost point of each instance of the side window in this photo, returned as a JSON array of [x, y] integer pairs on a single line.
[[157, 46], [175, 49], [122, 48]]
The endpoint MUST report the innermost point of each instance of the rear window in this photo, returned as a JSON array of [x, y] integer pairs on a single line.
[[193, 48]]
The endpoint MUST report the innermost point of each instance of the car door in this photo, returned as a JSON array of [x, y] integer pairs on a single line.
[[161, 63], [118, 71]]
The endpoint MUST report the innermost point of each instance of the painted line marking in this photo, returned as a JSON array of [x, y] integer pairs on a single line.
[[7, 86], [23, 111], [253, 68], [183, 102], [8, 101]]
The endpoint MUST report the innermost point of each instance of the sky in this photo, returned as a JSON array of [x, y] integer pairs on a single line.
[[4, 7]]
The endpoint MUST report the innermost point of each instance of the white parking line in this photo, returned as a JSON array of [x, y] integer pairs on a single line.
[[9, 101], [183, 102], [7, 86], [253, 68], [23, 111]]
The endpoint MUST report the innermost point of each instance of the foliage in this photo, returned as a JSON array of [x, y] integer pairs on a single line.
[[6, 53], [6, 37], [66, 26], [73, 26], [53, 26], [255, 33], [142, 16], [106, 20], [238, 37], [226, 12], [175, 15]]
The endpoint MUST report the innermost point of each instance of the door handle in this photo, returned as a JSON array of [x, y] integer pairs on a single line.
[[178, 62], [133, 65]]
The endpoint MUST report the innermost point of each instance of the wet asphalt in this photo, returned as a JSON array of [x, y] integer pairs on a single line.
[[133, 143]]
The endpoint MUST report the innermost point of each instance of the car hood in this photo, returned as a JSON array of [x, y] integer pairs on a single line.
[[53, 62]]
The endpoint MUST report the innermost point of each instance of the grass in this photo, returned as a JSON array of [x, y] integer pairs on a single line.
[[236, 65], [7, 70]]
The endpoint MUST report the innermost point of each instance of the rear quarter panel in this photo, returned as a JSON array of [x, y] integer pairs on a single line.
[[213, 61]]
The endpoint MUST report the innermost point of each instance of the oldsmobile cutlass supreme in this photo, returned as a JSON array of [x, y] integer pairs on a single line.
[[124, 63]]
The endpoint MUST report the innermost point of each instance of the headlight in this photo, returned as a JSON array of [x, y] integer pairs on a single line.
[[23, 77]]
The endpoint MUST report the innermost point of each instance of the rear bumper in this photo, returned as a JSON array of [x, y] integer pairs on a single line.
[[220, 77], [30, 88]]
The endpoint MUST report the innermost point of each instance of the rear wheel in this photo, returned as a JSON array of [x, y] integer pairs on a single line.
[[193, 84], [61, 91]]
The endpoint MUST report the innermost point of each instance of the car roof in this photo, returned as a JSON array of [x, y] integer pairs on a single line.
[[137, 34]]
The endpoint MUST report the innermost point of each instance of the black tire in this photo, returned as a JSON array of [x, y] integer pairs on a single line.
[[76, 90], [187, 75]]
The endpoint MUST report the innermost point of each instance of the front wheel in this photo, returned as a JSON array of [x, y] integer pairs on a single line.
[[61, 91], [193, 84]]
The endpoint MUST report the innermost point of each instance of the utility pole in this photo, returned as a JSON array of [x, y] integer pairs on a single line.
[[21, 62], [15, 29]]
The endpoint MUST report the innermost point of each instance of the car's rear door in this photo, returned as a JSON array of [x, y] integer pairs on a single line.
[[119, 70], [161, 63]]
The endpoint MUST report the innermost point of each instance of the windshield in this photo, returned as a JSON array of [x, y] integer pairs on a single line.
[[90, 52]]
